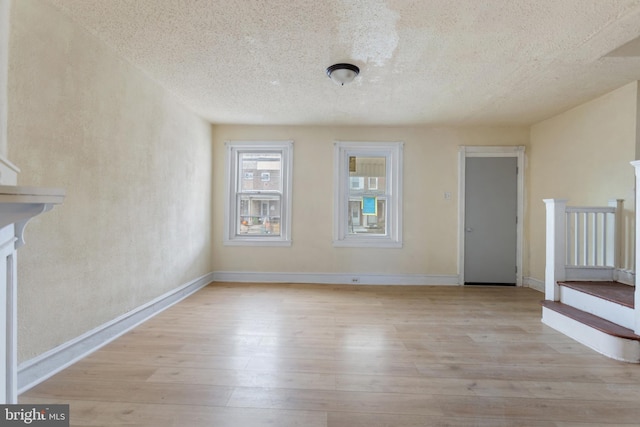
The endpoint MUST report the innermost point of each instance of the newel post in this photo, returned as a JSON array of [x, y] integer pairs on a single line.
[[618, 236], [555, 248], [636, 165]]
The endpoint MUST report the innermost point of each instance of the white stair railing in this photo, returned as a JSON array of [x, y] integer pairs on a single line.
[[583, 243], [591, 236]]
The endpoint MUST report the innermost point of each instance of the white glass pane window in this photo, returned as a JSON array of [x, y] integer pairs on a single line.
[[258, 208], [367, 203], [368, 194]]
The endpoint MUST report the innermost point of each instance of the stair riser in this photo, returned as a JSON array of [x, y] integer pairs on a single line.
[[614, 347], [616, 313]]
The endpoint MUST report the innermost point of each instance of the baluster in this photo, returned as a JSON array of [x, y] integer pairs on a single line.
[[617, 238], [605, 238], [594, 239], [576, 237], [568, 238], [585, 231]]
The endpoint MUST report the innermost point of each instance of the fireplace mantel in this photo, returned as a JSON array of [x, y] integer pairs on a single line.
[[17, 194], [18, 205]]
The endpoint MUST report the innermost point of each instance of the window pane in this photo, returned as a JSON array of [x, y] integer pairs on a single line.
[[367, 175], [260, 171], [368, 197], [258, 197], [360, 222], [259, 214], [356, 183]]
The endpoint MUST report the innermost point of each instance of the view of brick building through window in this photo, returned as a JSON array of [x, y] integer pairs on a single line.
[[260, 193], [367, 179]]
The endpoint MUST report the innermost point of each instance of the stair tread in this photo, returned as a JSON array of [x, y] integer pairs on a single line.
[[611, 291], [592, 320]]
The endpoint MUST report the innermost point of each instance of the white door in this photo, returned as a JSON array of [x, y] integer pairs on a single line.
[[490, 220]]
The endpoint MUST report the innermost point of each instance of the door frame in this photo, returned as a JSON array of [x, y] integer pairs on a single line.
[[465, 151]]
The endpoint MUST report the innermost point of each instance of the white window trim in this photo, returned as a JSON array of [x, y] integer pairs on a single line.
[[230, 215], [394, 153]]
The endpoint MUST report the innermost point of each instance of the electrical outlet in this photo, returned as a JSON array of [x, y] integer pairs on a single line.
[[355, 280]]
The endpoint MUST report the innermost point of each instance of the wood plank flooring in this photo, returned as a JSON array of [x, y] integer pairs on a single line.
[[245, 355]]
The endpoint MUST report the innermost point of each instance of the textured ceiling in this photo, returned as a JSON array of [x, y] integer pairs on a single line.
[[434, 62]]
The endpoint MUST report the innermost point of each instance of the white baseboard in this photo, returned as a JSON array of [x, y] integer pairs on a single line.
[[530, 282], [627, 277], [38, 369], [589, 273], [335, 278]]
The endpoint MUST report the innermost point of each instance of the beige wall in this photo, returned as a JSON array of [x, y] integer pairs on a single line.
[[582, 155], [5, 7], [136, 165], [430, 221]]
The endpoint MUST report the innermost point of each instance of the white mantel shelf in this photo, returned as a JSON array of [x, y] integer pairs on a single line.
[[18, 205], [21, 194]]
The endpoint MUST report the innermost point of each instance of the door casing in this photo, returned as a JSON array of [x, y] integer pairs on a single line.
[[490, 151]]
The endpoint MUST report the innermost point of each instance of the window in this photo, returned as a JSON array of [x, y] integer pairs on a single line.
[[258, 199], [368, 215], [373, 183], [357, 183]]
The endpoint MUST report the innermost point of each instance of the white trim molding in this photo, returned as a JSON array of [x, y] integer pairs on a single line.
[[336, 278], [8, 172], [491, 151], [636, 167], [533, 283], [233, 150], [42, 367], [344, 151], [628, 277], [18, 205]]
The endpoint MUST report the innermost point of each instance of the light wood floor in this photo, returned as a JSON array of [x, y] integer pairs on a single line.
[[245, 355]]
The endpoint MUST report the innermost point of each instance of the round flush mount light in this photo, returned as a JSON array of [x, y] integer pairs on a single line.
[[342, 73]]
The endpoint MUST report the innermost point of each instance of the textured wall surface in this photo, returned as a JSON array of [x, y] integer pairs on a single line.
[[430, 222], [583, 155], [5, 7], [136, 166]]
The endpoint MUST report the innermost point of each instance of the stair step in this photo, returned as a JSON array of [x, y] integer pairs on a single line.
[[616, 292], [591, 320]]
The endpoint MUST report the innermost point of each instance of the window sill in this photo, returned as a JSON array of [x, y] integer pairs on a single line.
[[353, 243], [257, 242]]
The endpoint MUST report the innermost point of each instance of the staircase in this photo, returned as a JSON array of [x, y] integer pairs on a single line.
[[584, 295], [598, 314]]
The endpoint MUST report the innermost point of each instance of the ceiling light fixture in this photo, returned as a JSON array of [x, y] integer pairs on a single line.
[[342, 73]]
